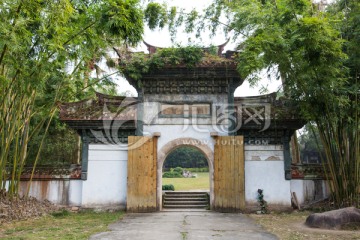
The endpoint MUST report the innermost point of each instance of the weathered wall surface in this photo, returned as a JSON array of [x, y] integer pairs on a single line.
[[105, 186], [264, 169], [57, 191], [310, 190], [152, 105]]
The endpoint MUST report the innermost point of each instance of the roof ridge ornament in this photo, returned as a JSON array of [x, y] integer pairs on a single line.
[[222, 46], [152, 49]]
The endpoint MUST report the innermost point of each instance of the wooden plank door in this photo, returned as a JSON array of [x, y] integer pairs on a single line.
[[229, 174], [141, 179]]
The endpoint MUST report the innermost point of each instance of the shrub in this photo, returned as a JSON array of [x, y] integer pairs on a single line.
[[172, 175], [178, 169], [168, 187]]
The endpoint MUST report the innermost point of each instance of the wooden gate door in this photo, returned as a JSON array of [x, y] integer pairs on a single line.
[[141, 179], [229, 174]]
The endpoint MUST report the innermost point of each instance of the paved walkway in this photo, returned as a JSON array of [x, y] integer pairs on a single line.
[[184, 226]]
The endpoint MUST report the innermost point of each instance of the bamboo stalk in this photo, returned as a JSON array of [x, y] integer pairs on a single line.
[[39, 150]]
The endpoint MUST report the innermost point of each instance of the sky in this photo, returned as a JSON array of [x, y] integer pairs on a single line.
[[161, 38]]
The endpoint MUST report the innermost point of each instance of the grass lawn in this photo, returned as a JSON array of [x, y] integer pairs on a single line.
[[62, 225], [201, 182]]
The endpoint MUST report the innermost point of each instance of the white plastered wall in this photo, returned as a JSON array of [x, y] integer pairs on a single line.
[[264, 169], [106, 183]]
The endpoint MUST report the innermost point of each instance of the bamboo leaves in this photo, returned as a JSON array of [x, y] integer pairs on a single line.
[[316, 55], [123, 19], [39, 42], [156, 15]]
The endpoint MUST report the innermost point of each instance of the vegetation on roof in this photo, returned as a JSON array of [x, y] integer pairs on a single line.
[[135, 65]]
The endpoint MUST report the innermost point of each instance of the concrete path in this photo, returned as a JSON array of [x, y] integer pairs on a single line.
[[184, 226]]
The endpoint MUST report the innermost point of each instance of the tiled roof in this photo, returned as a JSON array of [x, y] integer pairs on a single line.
[[104, 107]]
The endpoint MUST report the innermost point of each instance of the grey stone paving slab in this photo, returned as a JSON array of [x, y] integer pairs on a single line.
[[184, 226]]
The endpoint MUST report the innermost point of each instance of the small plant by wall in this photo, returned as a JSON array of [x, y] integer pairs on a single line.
[[168, 187], [208, 201], [262, 202]]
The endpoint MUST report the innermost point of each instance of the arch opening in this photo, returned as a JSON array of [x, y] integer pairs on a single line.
[[205, 149], [186, 168]]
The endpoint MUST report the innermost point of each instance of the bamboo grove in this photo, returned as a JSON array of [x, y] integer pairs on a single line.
[[316, 54], [339, 126], [46, 50]]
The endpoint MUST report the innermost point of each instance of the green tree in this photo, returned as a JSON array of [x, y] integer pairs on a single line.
[[185, 157], [304, 47], [47, 49]]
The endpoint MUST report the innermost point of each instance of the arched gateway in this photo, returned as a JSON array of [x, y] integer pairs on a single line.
[[179, 142], [125, 141]]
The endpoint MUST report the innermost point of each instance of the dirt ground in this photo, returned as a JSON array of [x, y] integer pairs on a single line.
[[290, 226]]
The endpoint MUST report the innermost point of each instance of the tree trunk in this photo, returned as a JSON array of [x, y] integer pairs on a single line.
[[295, 152]]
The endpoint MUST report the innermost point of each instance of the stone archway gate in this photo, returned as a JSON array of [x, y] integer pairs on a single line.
[[229, 174]]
